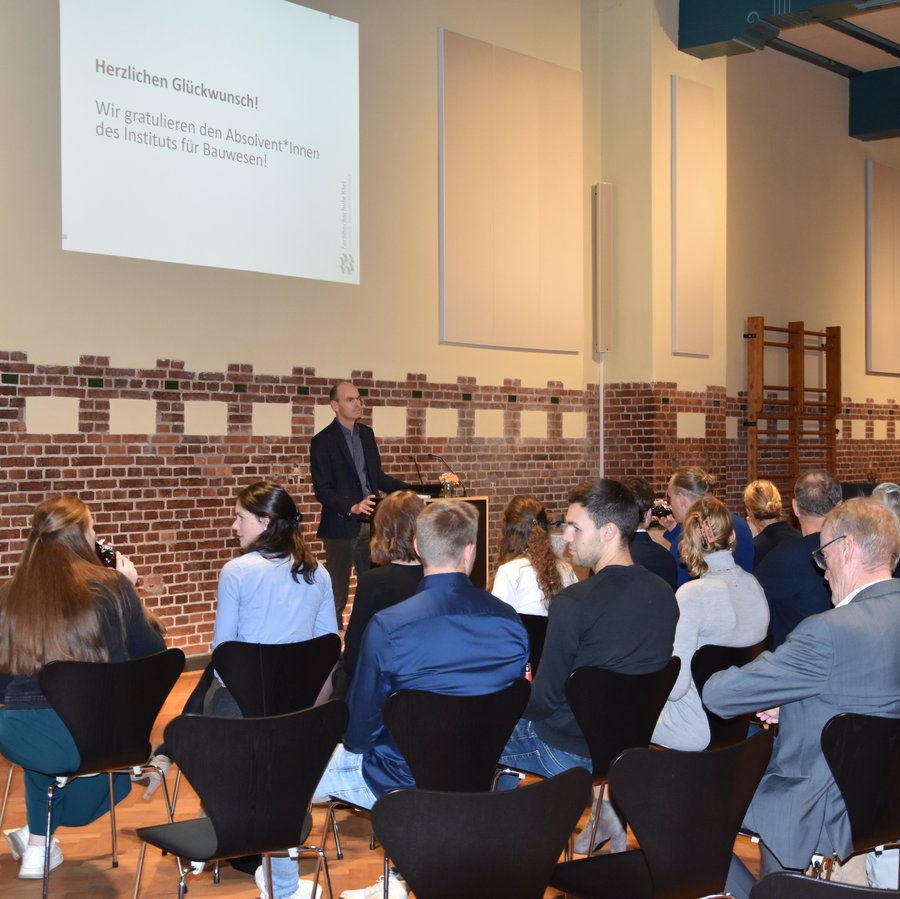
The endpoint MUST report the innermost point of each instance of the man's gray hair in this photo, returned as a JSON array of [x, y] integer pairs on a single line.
[[817, 492], [443, 531], [872, 525]]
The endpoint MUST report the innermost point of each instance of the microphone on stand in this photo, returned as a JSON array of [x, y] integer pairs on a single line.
[[418, 472], [447, 466]]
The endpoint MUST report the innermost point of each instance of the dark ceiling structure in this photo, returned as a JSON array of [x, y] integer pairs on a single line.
[[855, 39]]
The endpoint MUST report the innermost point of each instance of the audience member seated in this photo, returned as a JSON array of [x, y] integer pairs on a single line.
[[623, 618], [762, 501], [686, 486], [795, 587], [644, 549], [274, 591], [450, 637], [530, 574], [396, 578], [61, 603], [845, 660], [889, 493], [724, 606]]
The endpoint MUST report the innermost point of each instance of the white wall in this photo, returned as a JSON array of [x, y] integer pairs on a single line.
[[58, 306], [796, 209]]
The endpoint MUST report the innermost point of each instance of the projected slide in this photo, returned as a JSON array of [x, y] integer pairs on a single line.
[[211, 132]]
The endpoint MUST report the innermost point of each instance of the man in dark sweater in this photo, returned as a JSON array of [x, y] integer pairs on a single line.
[[795, 588], [623, 618]]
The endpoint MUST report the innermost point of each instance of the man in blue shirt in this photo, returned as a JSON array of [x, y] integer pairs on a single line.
[[449, 637]]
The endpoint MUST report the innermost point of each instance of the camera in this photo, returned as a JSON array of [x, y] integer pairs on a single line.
[[661, 510], [106, 553]]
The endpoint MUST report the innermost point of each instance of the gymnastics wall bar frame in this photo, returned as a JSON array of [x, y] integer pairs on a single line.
[[791, 427]]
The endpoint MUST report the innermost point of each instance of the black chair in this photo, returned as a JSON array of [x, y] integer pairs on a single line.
[[109, 708], [798, 886], [536, 626], [706, 661], [268, 679], [863, 752], [615, 712], [685, 809], [503, 845], [255, 778], [450, 742]]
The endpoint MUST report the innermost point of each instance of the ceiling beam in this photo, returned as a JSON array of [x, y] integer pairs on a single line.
[[710, 28], [810, 56], [865, 36]]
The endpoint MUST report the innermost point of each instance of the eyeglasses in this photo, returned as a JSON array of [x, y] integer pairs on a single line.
[[818, 555]]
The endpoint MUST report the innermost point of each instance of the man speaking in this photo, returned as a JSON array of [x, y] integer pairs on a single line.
[[346, 472]]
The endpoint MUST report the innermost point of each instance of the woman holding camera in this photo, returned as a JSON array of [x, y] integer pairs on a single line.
[[61, 604]]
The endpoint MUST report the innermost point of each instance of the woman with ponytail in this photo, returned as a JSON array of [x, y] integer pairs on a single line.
[[723, 604], [274, 591], [530, 573]]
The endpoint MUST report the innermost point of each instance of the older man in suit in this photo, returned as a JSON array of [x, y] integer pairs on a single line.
[[346, 472], [843, 660]]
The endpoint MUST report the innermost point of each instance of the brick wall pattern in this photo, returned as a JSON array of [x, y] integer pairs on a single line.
[[166, 498]]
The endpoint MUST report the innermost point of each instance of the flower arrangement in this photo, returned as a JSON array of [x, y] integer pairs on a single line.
[[449, 483]]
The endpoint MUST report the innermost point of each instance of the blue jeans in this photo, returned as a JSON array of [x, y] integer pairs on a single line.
[[343, 777], [526, 750]]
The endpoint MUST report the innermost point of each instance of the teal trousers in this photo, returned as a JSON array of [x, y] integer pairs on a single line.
[[37, 740]]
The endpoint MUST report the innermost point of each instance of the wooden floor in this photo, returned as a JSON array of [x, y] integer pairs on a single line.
[[86, 871]]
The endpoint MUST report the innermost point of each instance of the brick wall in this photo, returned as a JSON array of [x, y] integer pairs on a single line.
[[166, 498]]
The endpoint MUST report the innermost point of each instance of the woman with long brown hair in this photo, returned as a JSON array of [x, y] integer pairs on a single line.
[[397, 575], [61, 604], [530, 573]]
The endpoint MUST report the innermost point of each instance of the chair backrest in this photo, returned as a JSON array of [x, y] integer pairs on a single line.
[[454, 742], [863, 752], [504, 845], [706, 661], [110, 707], [618, 711], [536, 626], [268, 679], [256, 776], [686, 808], [798, 886]]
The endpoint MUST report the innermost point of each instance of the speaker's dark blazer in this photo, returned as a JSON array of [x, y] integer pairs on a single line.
[[336, 482]]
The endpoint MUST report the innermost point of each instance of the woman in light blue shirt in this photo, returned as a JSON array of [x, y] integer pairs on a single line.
[[274, 591]]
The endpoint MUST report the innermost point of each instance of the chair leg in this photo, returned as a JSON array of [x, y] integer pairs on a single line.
[[596, 820], [321, 864], [267, 869], [387, 875], [48, 838], [140, 869], [330, 818], [9, 778], [112, 822]]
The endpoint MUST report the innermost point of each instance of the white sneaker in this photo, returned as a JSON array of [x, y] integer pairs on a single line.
[[17, 840], [32, 867], [304, 887], [397, 889]]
